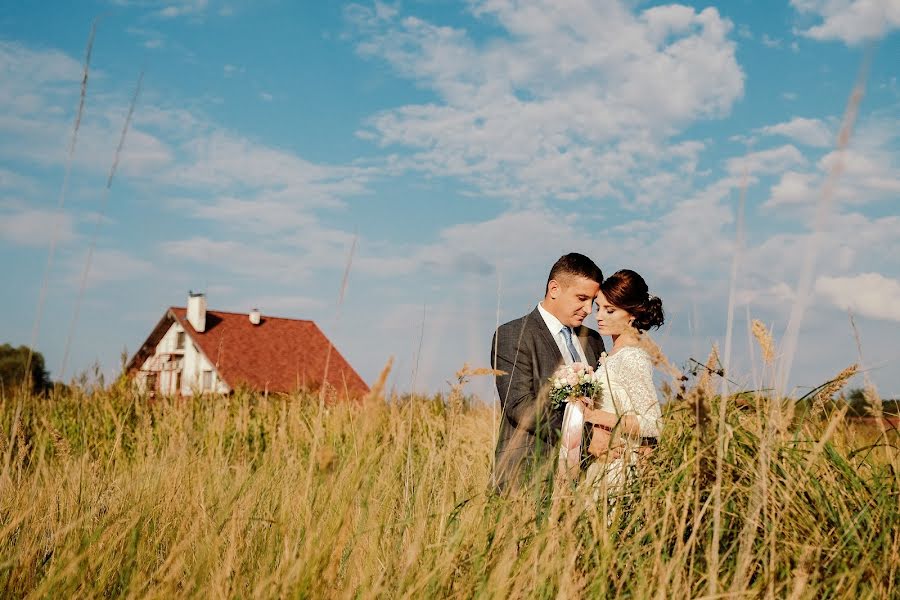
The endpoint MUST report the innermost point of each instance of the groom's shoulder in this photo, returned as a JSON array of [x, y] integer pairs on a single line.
[[521, 321], [517, 325]]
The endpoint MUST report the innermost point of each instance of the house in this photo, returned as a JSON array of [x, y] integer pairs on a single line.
[[195, 350]]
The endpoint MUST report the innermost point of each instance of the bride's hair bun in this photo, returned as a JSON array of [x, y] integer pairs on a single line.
[[628, 290]]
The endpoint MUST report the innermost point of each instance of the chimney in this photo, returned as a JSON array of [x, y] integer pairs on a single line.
[[254, 316], [196, 311]]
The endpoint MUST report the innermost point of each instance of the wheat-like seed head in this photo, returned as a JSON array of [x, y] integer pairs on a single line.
[[377, 390], [660, 360], [835, 385], [764, 338], [712, 366], [60, 443]]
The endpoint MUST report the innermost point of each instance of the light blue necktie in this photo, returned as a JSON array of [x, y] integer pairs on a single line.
[[567, 333]]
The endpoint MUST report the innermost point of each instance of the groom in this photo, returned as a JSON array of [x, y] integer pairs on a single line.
[[529, 350]]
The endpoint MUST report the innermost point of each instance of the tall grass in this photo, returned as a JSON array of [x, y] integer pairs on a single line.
[[110, 494]]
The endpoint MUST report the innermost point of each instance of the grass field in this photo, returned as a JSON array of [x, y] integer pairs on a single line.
[[109, 494]]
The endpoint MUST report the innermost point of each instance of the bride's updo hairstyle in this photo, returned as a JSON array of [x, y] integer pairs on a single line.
[[627, 290]]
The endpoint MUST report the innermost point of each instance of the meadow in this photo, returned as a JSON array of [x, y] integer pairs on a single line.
[[107, 493]]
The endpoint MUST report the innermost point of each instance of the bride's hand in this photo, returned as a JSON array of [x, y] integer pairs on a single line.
[[600, 441]]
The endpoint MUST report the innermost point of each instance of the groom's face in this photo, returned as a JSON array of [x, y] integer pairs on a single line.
[[571, 299]]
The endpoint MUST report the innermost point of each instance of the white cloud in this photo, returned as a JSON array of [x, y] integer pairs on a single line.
[[151, 39], [866, 171], [194, 10], [37, 101], [254, 261], [264, 212], [766, 162], [851, 21], [793, 188], [10, 180], [850, 242], [868, 294], [36, 227], [569, 105], [811, 132], [266, 96], [280, 306], [108, 265], [216, 159], [230, 70], [19, 63], [481, 248], [225, 177], [770, 42], [183, 8]]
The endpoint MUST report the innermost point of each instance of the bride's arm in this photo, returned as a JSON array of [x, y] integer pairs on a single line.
[[600, 441], [644, 414], [627, 424]]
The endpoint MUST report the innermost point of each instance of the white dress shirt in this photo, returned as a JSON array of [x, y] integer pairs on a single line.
[[555, 326]]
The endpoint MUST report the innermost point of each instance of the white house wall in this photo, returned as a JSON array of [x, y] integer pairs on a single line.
[[192, 366]]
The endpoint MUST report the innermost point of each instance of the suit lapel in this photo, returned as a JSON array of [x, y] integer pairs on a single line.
[[537, 321]]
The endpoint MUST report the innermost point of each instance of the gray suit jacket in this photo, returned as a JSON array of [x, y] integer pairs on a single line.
[[529, 428]]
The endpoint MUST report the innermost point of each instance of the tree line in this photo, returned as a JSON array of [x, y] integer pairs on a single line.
[[22, 366]]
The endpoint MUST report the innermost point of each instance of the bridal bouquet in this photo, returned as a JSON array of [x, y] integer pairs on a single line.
[[567, 386], [571, 382]]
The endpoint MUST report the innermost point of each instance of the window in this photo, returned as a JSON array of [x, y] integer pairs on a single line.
[[177, 382], [150, 383], [179, 340], [206, 382]]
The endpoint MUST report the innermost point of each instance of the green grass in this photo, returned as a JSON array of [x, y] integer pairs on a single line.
[[113, 495]]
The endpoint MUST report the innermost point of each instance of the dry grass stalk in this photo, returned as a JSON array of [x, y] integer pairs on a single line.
[[376, 392], [660, 360], [70, 159], [806, 280], [712, 366], [97, 222], [801, 575], [60, 443], [873, 399], [465, 374], [764, 339], [834, 386]]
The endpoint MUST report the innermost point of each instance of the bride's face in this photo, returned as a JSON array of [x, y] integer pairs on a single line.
[[611, 320]]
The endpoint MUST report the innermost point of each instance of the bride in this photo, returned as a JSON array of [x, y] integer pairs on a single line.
[[628, 418]]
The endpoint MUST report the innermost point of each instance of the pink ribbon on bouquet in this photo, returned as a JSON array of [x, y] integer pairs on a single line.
[[572, 431]]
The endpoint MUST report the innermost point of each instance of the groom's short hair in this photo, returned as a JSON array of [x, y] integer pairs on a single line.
[[574, 265]]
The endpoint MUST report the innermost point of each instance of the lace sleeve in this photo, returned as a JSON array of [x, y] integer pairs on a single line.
[[636, 371]]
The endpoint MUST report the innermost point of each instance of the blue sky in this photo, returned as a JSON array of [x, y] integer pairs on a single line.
[[465, 146]]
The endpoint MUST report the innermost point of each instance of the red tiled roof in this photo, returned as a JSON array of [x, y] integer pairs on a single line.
[[278, 355]]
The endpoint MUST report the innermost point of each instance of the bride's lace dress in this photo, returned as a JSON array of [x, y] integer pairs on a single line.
[[627, 390]]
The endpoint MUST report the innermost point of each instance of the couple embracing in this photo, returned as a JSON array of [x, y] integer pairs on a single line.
[[529, 350]]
